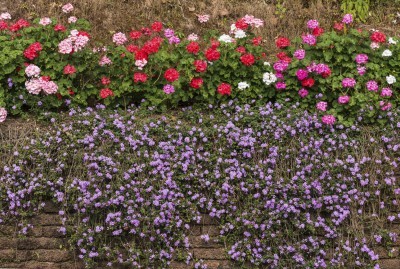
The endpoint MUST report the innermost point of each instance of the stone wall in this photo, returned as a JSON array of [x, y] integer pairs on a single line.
[[45, 247]]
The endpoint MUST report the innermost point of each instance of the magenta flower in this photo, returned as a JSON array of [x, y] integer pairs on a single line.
[[348, 82], [328, 119], [322, 106], [372, 85], [312, 24], [309, 39], [347, 19], [362, 58], [344, 99], [299, 54], [303, 93], [301, 74], [386, 92], [168, 89]]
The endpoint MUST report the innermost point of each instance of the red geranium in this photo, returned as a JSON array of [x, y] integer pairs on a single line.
[[59, 28], [104, 93], [71, 92], [318, 31], [139, 77], [201, 66], [83, 33], [135, 34], [241, 49], [146, 31], [247, 59], [212, 54], [3, 25], [282, 42], [224, 89], [105, 80], [308, 82], [36, 46], [215, 44], [338, 26], [32, 51], [141, 55], [69, 69], [378, 37], [193, 47], [241, 24], [284, 57], [257, 41], [171, 74], [156, 26], [152, 46], [46, 78], [196, 83], [132, 48]]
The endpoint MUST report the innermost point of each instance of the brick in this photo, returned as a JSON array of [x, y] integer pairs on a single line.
[[71, 265], [6, 230], [8, 242], [7, 255], [195, 230], [179, 265], [51, 207], [41, 265], [210, 254], [390, 264], [40, 243], [386, 253], [51, 231], [47, 255], [211, 230], [46, 220], [24, 255], [197, 242], [215, 264], [11, 265], [207, 220]]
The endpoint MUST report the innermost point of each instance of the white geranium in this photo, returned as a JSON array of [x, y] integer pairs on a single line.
[[386, 53], [226, 38], [240, 34], [5, 16], [390, 79], [267, 64], [243, 85], [392, 41], [269, 78]]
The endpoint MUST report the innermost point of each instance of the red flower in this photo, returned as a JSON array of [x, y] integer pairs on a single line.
[[135, 34], [141, 55], [283, 56], [378, 37], [241, 49], [83, 33], [156, 26], [257, 41], [241, 24], [32, 51], [308, 82], [104, 93], [196, 83], [326, 74], [152, 46], [201, 66], [46, 78], [132, 48], [71, 92], [193, 47], [3, 25], [146, 31], [105, 80], [338, 26], [282, 42], [59, 28], [23, 23], [215, 44], [212, 54], [224, 89], [36, 46], [69, 69], [247, 59], [59, 96], [139, 77], [318, 31], [171, 75]]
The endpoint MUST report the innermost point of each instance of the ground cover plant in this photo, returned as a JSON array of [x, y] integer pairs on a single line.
[[287, 190]]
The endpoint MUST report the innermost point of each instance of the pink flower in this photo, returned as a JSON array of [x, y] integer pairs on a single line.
[[309, 39], [344, 99], [5, 16], [45, 21], [322, 106], [67, 8], [119, 38], [374, 45], [328, 119], [372, 85], [105, 61], [80, 42], [34, 86], [299, 54], [49, 87], [386, 92], [312, 24], [280, 66], [203, 18], [251, 20], [72, 19], [361, 70], [280, 85], [65, 46], [168, 89], [69, 69], [347, 19], [3, 114], [193, 37], [362, 58], [303, 93], [348, 82], [301, 74], [32, 70], [385, 106]]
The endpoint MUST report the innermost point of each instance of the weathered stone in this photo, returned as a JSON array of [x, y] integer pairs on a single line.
[[72, 265], [8, 242], [209, 254], [40, 243], [46, 220], [390, 263], [207, 220], [198, 242], [7, 255], [219, 264], [47, 255], [211, 230]]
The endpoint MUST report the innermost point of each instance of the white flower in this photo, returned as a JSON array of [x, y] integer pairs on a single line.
[[45, 21], [243, 85], [5, 16], [72, 19], [193, 37], [226, 38], [374, 45], [141, 63], [32, 70], [386, 53], [269, 78], [267, 64], [392, 41], [233, 28], [240, 34], [390, 79]]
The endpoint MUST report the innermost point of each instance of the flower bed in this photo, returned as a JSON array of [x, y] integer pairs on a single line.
[[286, 190], [48, 65]]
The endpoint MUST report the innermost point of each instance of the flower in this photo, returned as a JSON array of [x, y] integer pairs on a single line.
[[386, 92], [132, 48], [3, 114], [105, 80], [32, 51], [174, 40], [59, 28], [34, 86], [201, 66], [65, 46], [224, 89], [309, 39], [135, 35], [157, 26], [303, 93], [212, 54], [348, 82], [225, 38], [32, 70], [308, 82], [280, 85], [344, 99], [299, 54], [45, 21], [385, 106], [280, 66], [203, 18], [390, 79], [168, 33], [68, 8], [241, 49], [241, 24], [328, 119], [378, 37], [318, 31], [139, 77], [347, 19], [269, 78], [5, 16], [196, 83], [119, 38], [392, 41], [193, 47], [256, 41], [361, 58], [171, 74], [168, 89], [372, 85], [301, 74], [243, 85], [247, 59], [338, 26], [386, 53], [193, 37], [374, 45], [322, 106], [104, 93], [69, 69], [140, 63], [282, 42], [72, 19], [105, 61], [312, 24], [49, 87], [361, 70], [240, 34]]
